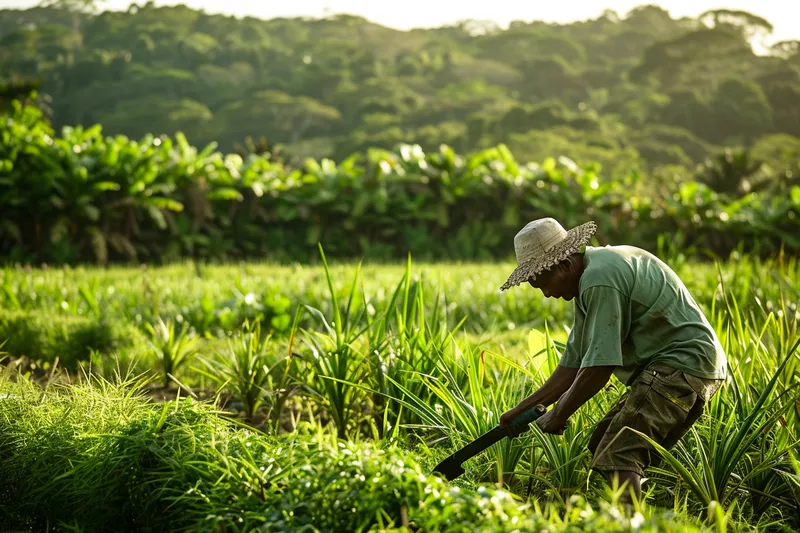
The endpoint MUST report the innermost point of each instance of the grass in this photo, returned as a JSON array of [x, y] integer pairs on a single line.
[[322, 367], [97, 456]]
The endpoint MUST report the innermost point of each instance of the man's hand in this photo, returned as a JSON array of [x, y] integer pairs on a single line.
[[551, 423], [511, 414], [558, 383], [548, 422], [587, 383]]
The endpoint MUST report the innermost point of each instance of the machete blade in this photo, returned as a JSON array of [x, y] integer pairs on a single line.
[[451, 467]]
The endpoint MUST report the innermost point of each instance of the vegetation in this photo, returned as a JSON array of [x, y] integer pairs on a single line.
[[163, 133], [636, 91], [119, 462], [183, 357], [366, 367], [85, 197]]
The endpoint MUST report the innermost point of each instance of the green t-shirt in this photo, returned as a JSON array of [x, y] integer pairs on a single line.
[[633, 310]]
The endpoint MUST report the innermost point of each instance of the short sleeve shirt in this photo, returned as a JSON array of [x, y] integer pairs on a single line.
[[632, 310]]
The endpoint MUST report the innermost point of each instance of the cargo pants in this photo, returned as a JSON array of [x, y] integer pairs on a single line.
[[663, 403]]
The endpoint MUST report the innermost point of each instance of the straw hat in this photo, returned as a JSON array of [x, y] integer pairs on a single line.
[[543, 243]]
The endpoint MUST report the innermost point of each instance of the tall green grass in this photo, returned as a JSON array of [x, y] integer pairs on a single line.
[[444, 394], [99, 457], [424, 357]]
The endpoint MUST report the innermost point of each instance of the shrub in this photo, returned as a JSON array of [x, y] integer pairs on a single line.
[[46, 336], [85, 197], [97, 457]]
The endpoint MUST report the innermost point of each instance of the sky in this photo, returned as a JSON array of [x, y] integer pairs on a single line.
[[408, 14]]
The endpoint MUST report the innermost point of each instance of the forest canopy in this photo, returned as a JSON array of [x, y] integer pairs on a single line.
[[635, 91]]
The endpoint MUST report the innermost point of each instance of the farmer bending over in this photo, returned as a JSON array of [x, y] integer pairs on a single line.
[[634, 318]]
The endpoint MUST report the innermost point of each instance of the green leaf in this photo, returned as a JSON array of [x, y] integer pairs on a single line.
[[88, 297], [160, 202], [508, 159], [107, 186], [225, 193], [11, 296], [98, 244], [795, 194], [281, 322], [158, 217], [92, 213]]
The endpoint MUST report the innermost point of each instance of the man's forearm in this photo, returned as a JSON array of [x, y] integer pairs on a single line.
[[552, 389], [588, 382]]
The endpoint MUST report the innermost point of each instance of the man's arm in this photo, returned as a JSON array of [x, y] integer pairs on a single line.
[[560, 380], [551, 390], [606, 325], [588, 382]]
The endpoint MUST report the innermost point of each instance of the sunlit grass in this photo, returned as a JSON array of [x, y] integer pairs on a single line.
[[426, 358], [99, 456]]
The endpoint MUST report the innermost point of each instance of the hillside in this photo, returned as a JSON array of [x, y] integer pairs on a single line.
[[632, 91]]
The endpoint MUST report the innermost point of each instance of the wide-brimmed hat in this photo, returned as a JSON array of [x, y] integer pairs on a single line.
[[543, 243]]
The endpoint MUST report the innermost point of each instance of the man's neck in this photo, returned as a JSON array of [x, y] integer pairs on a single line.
[[581, 269]]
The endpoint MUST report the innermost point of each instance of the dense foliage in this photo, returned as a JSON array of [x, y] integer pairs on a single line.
[[640, 90], [400, 365], [94, 458], [82, 196], [671, 134]]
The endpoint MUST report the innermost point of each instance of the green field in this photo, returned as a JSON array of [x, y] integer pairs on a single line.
[[177, 353], [314, 399]]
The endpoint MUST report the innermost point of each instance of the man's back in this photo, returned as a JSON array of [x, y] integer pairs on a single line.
[[658, 319]]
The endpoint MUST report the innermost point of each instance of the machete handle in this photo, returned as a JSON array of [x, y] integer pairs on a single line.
[[519, 425], [529, 416]]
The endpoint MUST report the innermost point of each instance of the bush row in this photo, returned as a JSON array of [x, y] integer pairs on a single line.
[[97, 458], [85, 197]]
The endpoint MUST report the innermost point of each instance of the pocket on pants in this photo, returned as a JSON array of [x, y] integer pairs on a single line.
[[673, 385], [638, 394], [705, 388]]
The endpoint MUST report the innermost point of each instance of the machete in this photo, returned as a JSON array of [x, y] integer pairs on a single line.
[[451, 466]]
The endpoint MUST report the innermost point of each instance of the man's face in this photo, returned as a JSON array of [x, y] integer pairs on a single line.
[[556, 283]]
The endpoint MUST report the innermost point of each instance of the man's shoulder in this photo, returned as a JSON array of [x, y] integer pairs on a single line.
[[620, 252], [610, 266]]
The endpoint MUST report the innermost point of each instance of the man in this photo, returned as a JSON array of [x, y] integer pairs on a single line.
[[635, 319]]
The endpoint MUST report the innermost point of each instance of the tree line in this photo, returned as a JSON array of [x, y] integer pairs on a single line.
[[83, 196], [639, 92]]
